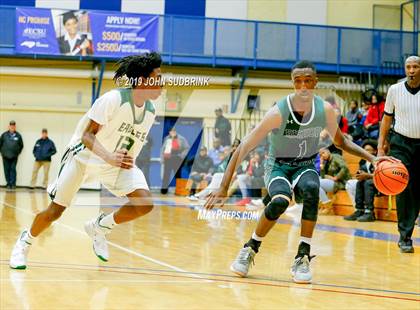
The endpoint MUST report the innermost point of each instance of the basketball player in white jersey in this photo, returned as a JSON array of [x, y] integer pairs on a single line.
[[107, 140]]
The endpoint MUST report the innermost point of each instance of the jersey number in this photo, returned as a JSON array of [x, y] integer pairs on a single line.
[[302, 149], [126, 143]]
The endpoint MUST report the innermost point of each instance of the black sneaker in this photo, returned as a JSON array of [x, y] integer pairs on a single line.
[[406, 246], [367, 217], [354, 216]]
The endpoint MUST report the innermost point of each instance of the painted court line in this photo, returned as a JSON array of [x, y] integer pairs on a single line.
[[161, 271], [246, 281], [192, 281], [124, 249]]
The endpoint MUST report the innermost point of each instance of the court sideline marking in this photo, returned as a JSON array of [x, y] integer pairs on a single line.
[[124, 249], [246, 281], [193, 275], [162, 271]]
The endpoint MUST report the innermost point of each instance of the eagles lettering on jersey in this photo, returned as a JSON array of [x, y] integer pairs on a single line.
[[116, 112], [296, 142]]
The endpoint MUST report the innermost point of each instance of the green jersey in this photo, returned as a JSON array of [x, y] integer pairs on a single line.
[[296, 142]]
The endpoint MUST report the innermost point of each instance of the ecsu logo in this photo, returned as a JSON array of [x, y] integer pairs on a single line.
[[28, 44]]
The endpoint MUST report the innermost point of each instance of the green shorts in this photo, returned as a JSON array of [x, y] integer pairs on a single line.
[[290, 174]]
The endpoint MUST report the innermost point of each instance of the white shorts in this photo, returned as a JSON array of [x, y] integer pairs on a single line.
[[74, 173]]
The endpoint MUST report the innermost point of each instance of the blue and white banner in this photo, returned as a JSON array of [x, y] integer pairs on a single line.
[[82, 33]]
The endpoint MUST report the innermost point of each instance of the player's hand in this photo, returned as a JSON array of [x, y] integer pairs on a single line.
[[216, 198], [121, 159], [380, 159], [381, 152]]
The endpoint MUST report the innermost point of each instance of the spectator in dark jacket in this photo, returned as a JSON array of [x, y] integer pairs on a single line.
[[43, 150], [222, 128], [354, 117], [361, 189], [11, 145], [202, 169]]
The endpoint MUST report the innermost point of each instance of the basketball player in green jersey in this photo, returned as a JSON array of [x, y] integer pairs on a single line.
[[295, 123], [106, 140]]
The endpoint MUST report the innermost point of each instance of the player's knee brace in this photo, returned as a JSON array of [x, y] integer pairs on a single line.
[[275, 208], [310, 201]]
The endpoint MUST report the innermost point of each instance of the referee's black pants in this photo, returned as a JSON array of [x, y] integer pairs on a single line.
[[408, 202]]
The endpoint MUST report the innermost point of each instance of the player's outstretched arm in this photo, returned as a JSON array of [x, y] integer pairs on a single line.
[[118, 158], [346, 144], [270, 121]]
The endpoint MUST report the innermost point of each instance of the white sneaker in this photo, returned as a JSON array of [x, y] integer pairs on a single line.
[[301, 270], [243, 261], [19, 255], [193, 198], [97, 233], [257, 202]]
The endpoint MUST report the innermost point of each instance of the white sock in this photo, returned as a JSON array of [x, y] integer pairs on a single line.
[[28, 238], [108, 221], [256, 237], [306, 240]]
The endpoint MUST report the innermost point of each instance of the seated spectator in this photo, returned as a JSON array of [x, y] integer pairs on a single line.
[[257, 175], [243, 181], [202, 169], [354, 117], [252, 180], [373, 117], [216, 153], [334, 175], [362, 190], [219, 173]]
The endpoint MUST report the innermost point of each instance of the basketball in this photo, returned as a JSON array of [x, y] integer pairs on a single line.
[[391, 178]]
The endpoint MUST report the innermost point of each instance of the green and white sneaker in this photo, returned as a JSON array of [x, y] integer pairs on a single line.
[[243, 261], [97, 233], [19, 255], [301, 270]]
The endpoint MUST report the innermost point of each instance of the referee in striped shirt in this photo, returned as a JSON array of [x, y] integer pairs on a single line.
[[403, 106]]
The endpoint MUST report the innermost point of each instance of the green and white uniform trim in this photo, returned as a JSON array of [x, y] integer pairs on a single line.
[[295, 144], [123, 125]]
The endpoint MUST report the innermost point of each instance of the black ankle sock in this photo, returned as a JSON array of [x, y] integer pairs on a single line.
[[254, 244], [304, 249]]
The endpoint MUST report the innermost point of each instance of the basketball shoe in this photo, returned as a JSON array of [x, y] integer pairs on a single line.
[[243, 261], [97, 233], [19, 255]]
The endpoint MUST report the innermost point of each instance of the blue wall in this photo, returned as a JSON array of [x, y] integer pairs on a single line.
[[186, 7]]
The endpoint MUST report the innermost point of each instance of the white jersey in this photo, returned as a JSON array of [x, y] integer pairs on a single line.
[[405, 106], [123, 126]]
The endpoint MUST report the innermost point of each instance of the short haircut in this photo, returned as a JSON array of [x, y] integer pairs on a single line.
[[372, 143], [303, 64], [355, 101], [45, 130], [136, 66]]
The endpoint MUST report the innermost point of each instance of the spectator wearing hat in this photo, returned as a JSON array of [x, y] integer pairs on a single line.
[[11, 145], [43, 150], [222, 128]]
